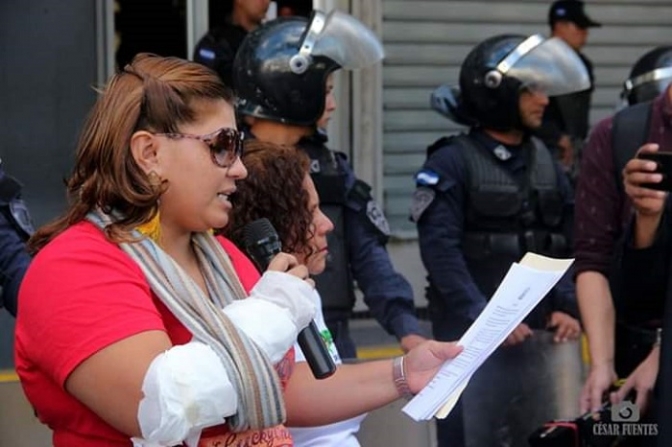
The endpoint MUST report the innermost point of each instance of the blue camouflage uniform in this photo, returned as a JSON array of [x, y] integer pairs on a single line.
[[358, 251], [15, 228], [439, 208]]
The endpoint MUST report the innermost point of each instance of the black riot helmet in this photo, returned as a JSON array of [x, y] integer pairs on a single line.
[[650, 76], [498, 69], [281, 68]]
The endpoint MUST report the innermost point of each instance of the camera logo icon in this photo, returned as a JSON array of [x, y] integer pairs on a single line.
[[624, 412]]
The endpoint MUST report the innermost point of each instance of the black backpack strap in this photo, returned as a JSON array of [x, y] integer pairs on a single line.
[[630, 130]]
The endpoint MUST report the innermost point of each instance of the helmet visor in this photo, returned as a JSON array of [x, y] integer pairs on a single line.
[[647, 86], [343, 39], [551, 66]]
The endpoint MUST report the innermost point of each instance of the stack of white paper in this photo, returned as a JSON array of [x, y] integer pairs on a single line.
[[525, 284]]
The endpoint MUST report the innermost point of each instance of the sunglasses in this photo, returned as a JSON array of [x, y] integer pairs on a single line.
[[225, 144]]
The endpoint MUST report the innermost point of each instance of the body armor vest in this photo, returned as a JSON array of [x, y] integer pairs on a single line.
[[506, 217], [335, 284]]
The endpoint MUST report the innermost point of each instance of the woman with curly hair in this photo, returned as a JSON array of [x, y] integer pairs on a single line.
[[279, 187]]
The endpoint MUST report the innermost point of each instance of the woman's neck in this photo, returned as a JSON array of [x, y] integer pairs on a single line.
[[278, 133], [179, 247]]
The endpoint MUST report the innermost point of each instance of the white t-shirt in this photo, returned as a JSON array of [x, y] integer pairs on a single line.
[[342, 433]]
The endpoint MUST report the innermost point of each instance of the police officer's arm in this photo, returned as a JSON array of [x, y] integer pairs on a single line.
[[440, 222], [386, 292], [14, 260]]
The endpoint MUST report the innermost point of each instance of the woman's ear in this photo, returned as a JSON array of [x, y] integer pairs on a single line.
[[145, 151]]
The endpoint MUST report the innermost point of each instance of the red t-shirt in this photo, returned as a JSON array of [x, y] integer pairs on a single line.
[[81, 294]]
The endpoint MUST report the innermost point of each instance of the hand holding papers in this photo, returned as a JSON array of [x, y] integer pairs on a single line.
[[524, 286]]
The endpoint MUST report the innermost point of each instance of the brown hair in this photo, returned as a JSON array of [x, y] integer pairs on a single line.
[[273, 189], [151, 93]]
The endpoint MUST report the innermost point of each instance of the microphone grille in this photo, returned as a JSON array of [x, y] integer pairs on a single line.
[[258, 230]]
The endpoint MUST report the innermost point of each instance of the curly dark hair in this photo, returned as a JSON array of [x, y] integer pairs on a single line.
[[273, 189]]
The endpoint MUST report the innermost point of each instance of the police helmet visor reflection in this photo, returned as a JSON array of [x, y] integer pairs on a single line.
[[648, 85], [551, 66], [647, 91], [343, 39]]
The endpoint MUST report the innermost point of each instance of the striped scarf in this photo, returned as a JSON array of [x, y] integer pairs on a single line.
[[260, 401]]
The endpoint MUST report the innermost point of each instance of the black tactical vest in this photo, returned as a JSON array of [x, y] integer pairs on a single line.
[[504, 217], [335, 284]]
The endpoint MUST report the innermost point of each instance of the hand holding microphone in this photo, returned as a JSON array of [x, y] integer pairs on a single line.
[[263, 244], [286, 263]]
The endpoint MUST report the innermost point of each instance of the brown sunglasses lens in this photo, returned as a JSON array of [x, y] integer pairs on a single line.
[[227, 147]]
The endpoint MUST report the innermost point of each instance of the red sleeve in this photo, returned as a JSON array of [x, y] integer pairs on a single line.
[[247, 272], [80, 295], [598, 204]]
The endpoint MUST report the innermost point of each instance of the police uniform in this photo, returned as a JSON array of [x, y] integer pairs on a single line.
[[479, 207], [280, 75], [480, 204], [217, 50], [15, 228], [356, 251]]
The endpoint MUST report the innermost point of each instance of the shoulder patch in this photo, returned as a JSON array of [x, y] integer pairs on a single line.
[[426, 177], [21, 216], [377, 217], [206, 53], [422, 198]]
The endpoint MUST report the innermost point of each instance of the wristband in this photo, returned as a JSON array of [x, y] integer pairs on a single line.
[[400, 378]]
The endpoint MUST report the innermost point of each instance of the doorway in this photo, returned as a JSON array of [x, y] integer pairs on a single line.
[[158, 27]]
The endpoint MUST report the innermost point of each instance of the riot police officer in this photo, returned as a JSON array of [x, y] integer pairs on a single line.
[[15, 228], [283, 76], [483, 199]]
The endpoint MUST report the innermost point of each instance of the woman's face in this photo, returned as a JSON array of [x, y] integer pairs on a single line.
[[197, 198], [329, 103], [320, 227]]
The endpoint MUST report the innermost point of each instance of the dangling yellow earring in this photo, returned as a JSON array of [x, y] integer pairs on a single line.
[[152, 228]]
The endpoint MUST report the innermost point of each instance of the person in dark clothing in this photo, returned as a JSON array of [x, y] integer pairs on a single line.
[[217, 49], [15, 228], [565, 125], [286, 90], [602, 211], [482, 200], [641, 280]]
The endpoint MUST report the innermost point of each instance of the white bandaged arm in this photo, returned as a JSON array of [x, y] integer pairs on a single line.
[[186, 389], [279, 306]]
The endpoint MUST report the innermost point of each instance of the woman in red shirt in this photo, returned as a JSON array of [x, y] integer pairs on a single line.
[[134, 325]]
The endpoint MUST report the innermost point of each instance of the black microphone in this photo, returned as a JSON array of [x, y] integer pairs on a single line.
[[262, 244]]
